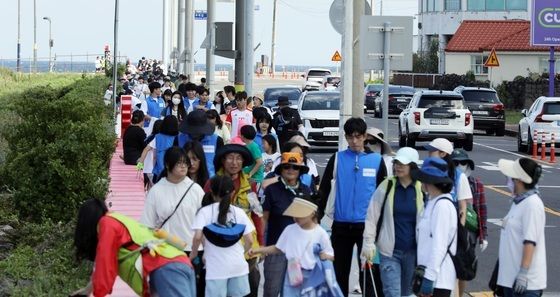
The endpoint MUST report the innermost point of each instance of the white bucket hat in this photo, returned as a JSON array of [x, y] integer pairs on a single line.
[[407, 155], [513, 169], [440, 144]]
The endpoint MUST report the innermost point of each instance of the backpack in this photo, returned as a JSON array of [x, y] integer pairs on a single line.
[[465, 259], [286, 121]]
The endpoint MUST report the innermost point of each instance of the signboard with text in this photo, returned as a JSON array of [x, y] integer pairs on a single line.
[[200, 15], [545, 23]]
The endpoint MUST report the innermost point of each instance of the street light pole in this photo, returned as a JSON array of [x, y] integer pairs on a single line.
[[50, 42], [18, 67]]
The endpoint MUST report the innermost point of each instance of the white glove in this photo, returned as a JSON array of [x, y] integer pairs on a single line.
[[483, 245], [368, 251]]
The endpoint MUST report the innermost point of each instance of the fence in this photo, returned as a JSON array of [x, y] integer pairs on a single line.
[[60, 63], [416, 80]]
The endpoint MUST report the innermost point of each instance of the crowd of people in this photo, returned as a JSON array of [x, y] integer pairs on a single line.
[[232, 184]]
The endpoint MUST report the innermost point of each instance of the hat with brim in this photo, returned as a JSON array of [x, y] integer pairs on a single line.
[[300, 140], [294, 159], [233, 148], [460, 155], [440, 144], [407, 155], [197, 124], [300, 208], [433, 171], [513, 169], [378, 135], [283, 100]]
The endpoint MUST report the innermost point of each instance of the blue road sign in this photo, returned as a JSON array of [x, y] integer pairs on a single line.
[[200, 15]]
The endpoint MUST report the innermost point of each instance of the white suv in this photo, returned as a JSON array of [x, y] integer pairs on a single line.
[[543, 116], [319, 112], [434, 114], [314, 78]]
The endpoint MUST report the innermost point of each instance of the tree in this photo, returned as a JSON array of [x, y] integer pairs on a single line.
[[426, 61]]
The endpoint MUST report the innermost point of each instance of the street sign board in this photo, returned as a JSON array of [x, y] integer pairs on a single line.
[[336, 14], [492, 60], [545, 23], [336, 57], [371, 42], [200, 15]]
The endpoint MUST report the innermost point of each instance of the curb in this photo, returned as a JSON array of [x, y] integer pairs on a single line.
[[512, 133]]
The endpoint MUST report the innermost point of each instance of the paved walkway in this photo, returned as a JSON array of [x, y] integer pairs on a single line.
[[126, 196]]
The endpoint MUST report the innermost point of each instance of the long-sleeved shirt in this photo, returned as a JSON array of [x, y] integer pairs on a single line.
[[479, 205], [111, 236]]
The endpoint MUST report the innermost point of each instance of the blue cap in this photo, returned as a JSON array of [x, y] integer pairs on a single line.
[[433, 171]]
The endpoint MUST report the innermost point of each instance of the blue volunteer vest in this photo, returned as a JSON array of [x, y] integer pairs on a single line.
[[209, 143], [208, 104], [187, 104], [154, 108], [356, 181], [163, 142]]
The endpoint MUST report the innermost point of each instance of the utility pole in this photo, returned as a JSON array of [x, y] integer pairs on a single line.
[[239, 83], [115, 49], [248, 53], [181, 35], [34, 36], [357, 72], [211, 33], [165, 34], [272, 62], [50, 42], [189, 23], [347, 51], [372, 13], [174, 24], [18, 64]]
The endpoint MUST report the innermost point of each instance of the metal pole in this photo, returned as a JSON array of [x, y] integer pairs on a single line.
[[115, 48], [181, 35], [18, 64], [551, 73], [386, 72], [34, 35], [372, 13], [211, 32], [50, 41], [357, 72], [346, 98], [248, 53], [272, 59], [239, 45], [174, 22], [189, 23], [165, 34]]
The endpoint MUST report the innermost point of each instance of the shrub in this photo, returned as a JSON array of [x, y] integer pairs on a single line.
[[59, 149]]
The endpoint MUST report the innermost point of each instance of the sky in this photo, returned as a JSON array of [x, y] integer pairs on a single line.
[[304, 35]]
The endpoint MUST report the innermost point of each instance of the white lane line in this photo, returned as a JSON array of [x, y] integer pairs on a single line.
[[515, 154]]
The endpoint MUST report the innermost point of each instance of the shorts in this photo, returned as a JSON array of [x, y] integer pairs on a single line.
[[234, 287]]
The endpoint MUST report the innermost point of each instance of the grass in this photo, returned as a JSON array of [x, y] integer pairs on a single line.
[[513, 116]]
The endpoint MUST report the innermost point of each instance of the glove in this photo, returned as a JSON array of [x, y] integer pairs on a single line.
[[483, 245], [139, 166], [520, 284], [427, 287], [368, 251]]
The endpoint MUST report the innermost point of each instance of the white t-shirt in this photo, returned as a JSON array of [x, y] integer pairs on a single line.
[[191, 102], [223, 263], [524, 222], [464, 188], [435, 230], [162, 199], [296, 242], [235, 117]]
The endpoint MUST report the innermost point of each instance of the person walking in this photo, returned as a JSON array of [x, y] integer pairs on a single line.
[[220, 129], [522, 252], [437, 231], [133, 139], [355, 173], [152, 106], [198, 170], [391, 225], [175, 107], [286, 121], [239, 116]]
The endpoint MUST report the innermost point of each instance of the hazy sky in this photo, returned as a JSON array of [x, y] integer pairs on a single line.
[[304, 33]]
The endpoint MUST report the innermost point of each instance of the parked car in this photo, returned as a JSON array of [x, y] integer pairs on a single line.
[[330, 83], [398, 96], [271, 95], [544, 116], [313, 78], [370, 93], [319, 112], [434, 114], [486, 108]]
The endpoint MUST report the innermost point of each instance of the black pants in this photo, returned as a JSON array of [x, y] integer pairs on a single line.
[[344, 237], [441, 293], [200, 273], [254, 277]]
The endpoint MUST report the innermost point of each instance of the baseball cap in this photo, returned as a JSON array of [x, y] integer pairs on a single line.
[[440, 144]]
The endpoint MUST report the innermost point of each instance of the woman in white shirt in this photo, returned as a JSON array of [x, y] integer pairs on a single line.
[[436, 231], [522, 254]]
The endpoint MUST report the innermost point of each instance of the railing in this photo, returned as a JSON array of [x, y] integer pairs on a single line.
[[60, 63]]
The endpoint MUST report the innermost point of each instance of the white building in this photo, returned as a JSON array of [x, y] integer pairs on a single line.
[[440, 19]]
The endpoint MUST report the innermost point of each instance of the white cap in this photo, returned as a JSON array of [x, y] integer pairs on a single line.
[[440, 144], [513, 169], [407, 155]]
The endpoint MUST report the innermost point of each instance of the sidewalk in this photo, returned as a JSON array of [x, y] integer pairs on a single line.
[[126, 196], [511, 130]]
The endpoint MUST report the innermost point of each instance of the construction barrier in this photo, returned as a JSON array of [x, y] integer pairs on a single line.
[[552, 149], [535, 140], [543, 146]]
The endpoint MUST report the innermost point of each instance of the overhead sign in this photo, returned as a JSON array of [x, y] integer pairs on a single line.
[[492, 60], [336, 14], [336, 57], [200, 15], [545, 23], [372, 31]]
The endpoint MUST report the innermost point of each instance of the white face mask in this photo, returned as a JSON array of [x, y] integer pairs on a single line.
[[466, 169], [176, 101], [510, 185]]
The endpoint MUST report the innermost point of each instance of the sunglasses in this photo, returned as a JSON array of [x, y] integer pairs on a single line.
[[464, 163], [371, 141], [290, 166]]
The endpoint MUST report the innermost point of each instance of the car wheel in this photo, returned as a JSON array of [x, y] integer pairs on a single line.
[[458, 143], [468, 144], [522, 148], [410, 140], [402, 138], [501, 131], [489, 132], [530, 143]]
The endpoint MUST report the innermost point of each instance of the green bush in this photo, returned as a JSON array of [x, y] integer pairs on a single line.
[[451, 81], [58, 149]]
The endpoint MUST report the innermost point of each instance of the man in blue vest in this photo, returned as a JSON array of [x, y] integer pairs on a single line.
[[358, 173], [198, 128], [154, 104], [190, 98]]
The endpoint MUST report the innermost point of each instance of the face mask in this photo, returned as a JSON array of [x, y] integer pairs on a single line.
[[376, 148], [176, 101], [510, 185], [466, 169]]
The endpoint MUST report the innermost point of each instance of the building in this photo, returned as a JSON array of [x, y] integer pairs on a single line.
[[440, 19], [474, 40]]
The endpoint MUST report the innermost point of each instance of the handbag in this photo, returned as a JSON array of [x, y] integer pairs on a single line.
[[329, 208], [223, 236]]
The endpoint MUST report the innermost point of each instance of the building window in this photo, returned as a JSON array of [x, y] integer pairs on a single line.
[[433, 5], [452, 5], [475, 5], [477, 64], [496, 5], [516, 5]]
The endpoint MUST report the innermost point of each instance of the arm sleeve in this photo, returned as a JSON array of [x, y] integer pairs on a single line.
[[282, 243], [267, 204], [325, 242], [533, 222], [374, 212], [482, 211], [199, 221], [442, 219], [464, 188], [382, 174], [106, 262], [325, 186]]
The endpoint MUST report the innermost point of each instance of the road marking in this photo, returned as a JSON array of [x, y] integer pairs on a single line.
[[540, 187], [544, 163], [549, 210], [490, 166]]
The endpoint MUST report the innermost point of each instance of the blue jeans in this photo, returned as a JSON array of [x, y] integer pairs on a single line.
[[174, 280], [508, 292], [397, 273], [234, 287], [274, 271]]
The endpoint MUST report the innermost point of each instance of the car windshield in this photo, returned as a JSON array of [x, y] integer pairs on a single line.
[[440, 101], [318, 73], [481, 96], [552, 108], [333, 80], [322, 101], [374, 88], [401, 90], [271, 95]]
